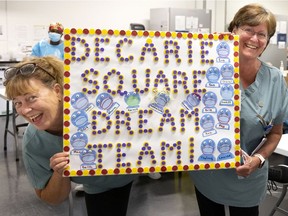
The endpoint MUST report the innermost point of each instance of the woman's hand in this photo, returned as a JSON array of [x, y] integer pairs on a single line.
[[250, 165], [59, 162]]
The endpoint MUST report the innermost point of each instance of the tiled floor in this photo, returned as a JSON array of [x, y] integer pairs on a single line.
[[166, 196]]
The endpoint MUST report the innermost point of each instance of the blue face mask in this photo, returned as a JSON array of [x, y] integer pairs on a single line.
[[54, 37]]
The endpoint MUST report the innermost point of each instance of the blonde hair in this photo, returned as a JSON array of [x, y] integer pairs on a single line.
[[19, 84]]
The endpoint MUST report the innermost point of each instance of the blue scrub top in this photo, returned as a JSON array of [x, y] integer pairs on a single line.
[[37, 148], [267, 96], [44, 48]]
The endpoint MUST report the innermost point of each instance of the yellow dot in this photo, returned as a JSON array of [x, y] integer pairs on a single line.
[[91, 31], [149, 40], [128, 33], [226, 37], [66, 67], [215, 36], [140, 33], [163, 34], [66, 117], [79, 31], [66, 130], [174, 34], [66, 31], [66, 142], [67, 92], [104, 32], [85, 172], [66, 80], [151, 34], [72, 172], [67, 43], [67, 56], [237, 136], [169, 168], [205, 36], [195, 36], [116, 32]]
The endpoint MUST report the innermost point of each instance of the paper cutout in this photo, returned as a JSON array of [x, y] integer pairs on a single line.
[[148, 101]]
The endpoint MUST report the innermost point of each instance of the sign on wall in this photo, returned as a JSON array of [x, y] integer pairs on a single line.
[[149, 101]]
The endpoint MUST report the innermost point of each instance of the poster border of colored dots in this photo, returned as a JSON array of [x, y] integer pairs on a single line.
[[68, 33]]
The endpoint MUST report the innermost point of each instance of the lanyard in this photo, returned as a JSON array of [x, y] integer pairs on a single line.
[[267, 126]]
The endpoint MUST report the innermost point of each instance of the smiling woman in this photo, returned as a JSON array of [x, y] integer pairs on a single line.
[[261, 86], [36, 88]]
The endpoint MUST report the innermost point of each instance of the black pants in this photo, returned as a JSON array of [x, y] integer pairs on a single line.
[[112, 202], [209, 208]]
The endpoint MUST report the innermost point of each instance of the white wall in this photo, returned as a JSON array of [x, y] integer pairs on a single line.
[[16, 16]]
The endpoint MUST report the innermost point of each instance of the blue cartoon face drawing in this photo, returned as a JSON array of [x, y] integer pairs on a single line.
[[79, 101], [227, 91], [132, 99], [207, 122], [227, 71], [79, 140], [209, 99], [80, 119], [223, 50], [194, 99], [104, 101], [208, 146], [224, 115], [224, 145], [213, 74], [162, 99], [88, 156]]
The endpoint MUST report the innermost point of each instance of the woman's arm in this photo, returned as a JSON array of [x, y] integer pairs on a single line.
[[58, 188], [266, 150]]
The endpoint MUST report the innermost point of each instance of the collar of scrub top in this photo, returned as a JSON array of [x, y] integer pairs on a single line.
[[267, 126]]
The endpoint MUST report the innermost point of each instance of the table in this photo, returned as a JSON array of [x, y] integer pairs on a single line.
[[14, 131], [282, 147]]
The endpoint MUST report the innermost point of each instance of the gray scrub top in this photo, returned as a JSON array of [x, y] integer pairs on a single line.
[[267, 96], [37, 148]]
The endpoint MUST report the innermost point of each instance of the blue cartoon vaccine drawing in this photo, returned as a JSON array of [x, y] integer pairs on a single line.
[[78, 141], [227, 93], [132, 99], [209, 99], [213, 75], [223, 51], [104, 101], [227, 73], [207, 148], [223, 116], [80, 101], [207, 122], [88, 157], [160, 101], [224, 147], [192, 100], [80, 120]]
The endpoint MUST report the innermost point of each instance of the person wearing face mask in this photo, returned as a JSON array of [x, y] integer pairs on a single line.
[[52, 46]]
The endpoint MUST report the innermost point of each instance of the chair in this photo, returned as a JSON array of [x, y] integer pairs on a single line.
[[15, 129], [279, 174]]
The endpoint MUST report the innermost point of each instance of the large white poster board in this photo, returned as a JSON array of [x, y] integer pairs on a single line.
[[142, 101]]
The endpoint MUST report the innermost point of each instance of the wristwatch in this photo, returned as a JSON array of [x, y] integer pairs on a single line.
[[261, 158]]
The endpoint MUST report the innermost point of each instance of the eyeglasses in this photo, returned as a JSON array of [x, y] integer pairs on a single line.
[[25, 69], [250, 32]]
